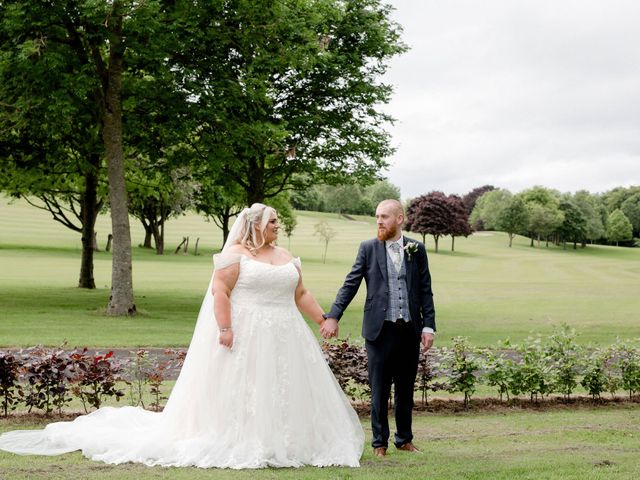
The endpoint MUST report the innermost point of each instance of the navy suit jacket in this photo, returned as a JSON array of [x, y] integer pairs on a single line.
[[371, 265]]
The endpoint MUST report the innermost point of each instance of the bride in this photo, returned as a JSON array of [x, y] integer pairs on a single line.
[[254, 391]]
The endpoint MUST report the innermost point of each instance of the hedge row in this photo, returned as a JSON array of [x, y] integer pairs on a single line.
[[537, 367], [48, 379]]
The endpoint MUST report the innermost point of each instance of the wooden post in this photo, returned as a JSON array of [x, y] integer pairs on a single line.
[[196, 249], [109, 240], [184, 239]]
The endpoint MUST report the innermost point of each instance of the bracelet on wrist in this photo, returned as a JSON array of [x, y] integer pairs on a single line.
[[225, 329]]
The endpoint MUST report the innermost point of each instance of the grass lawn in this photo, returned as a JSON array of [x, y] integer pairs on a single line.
[[483, 290], [561, 444]]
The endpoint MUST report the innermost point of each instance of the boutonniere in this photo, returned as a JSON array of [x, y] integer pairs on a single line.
[[409, 249]]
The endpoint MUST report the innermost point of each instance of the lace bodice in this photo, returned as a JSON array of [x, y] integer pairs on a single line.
[[264, 284]]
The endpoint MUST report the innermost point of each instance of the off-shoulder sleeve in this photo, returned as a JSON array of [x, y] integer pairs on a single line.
[[296, 261], [224, 260]]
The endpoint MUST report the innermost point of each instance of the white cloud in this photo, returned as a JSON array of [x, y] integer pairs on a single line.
[[516, 93]]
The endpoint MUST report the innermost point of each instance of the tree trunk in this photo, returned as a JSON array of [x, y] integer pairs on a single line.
[[531, 241], [121, 301], [453, 241], [148, 234], [225, 226], [158, 236], [435, 239], [510, 239], [255, 192], [89, 213]]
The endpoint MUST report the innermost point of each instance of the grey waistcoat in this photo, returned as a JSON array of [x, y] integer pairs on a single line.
[[398, 294]]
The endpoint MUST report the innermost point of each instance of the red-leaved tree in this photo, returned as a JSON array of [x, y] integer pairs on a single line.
[[437, 214]]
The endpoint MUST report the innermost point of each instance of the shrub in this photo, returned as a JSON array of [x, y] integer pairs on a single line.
[[499, 369], [425, 380], [563, 358], [594, 378], [47, 373], [136, 371], [348, 362], [626, 359], [461, 363], [96, 377], [531, 372]]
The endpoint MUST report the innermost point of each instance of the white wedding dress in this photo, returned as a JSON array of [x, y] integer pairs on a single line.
[[270, 401]]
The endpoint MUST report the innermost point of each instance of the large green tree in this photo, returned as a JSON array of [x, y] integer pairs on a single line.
[[51, 146], [88, 44], [487, 208], [631, 208], [592, 208], [288, 93], [619, 227], [574, 224], [544, 214], [513, 218]]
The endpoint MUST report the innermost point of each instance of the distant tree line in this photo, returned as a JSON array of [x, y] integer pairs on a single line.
[[542, 214], [348, 199]]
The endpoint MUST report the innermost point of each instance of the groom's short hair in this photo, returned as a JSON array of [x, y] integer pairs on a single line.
[[397, 206]]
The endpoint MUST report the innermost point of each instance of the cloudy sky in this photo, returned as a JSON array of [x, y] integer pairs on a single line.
[[516, 93]]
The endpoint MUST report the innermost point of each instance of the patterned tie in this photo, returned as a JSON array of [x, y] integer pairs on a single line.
[[395, 255]]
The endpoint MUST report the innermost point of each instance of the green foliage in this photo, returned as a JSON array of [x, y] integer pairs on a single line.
[[543, 206], [288, 93], [619, 227], [513, 218], [563, 356], [488, 208], [593, 210], [574, 223], [462, 366], [595, 373], [531, 372], [631, 208], [626, 360], [350, 199], [499, 368]]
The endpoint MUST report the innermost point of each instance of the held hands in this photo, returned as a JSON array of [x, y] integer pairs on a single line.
[[329, 328]]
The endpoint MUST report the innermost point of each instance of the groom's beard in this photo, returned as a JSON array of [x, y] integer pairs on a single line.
[[385, 234]]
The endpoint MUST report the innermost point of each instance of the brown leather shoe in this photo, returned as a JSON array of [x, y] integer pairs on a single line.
[[409, 447], [379, 451]]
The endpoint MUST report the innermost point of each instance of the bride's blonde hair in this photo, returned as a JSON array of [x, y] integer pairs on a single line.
[[258, 215]]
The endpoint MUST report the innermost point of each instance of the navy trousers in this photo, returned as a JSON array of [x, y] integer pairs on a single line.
[[393, 358]]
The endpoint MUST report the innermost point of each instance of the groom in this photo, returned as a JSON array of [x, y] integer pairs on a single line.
[[398, 315]]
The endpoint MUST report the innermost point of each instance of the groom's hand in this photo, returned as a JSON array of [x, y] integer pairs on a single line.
[[427, 341], [329, 328]]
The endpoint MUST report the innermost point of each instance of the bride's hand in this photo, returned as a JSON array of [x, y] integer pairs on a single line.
[[226, 338]]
